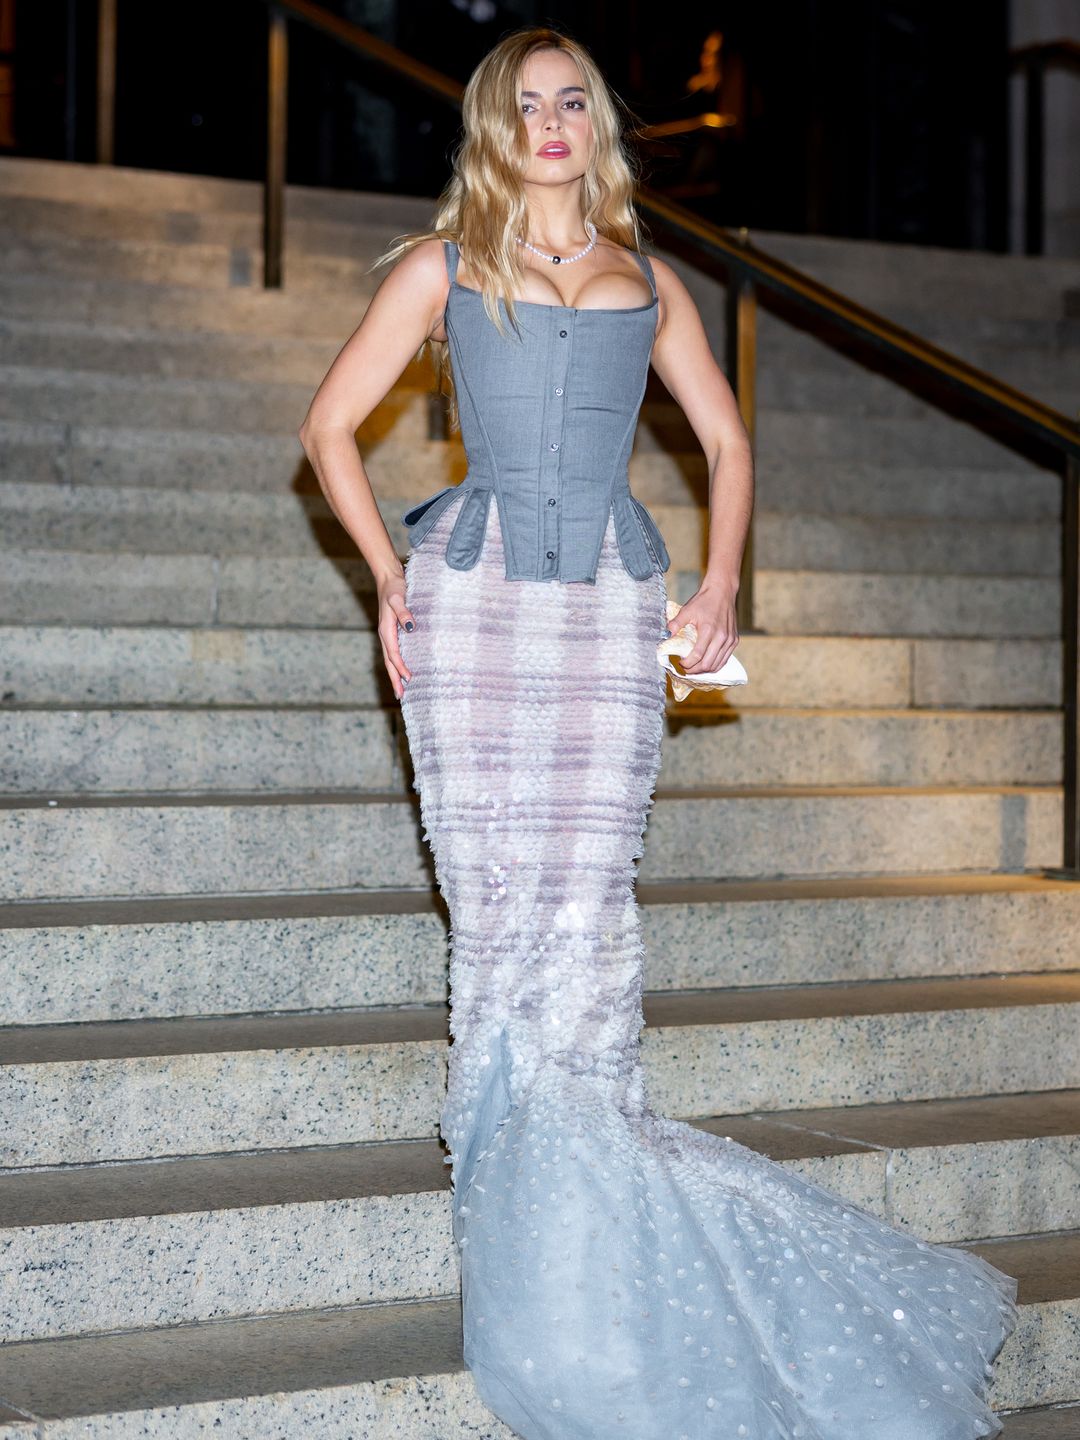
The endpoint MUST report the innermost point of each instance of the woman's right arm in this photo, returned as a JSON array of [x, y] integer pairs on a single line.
[[406, 309]]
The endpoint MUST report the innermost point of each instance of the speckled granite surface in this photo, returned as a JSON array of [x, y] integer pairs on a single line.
[[164, 664], [73, 751], [168, 1269], [72, 1111], [774, 1065], [100, 971], [437, 1407], [170, 665], [222, 453], [198, 751], [131, 849], [1038, 1360]]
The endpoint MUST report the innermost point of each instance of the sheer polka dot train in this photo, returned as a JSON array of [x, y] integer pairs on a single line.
[[625, 1274]]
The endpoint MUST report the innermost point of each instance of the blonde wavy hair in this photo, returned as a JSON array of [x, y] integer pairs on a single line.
[[483, 205]]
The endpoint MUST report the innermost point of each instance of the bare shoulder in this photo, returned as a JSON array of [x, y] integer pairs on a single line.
[[678, 311], [423, 265], [668, 283], [413, 291]]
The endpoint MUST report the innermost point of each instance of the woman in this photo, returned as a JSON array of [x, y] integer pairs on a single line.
[[622, 1273]]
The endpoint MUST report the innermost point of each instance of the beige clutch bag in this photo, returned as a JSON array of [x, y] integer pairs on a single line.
[[682, 642]]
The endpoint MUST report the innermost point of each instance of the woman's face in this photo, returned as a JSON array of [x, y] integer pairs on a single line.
[[556, 119]]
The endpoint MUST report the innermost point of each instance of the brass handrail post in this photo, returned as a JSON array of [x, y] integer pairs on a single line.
[[1070, 674], [106, 82], [1070, 583], [741, 345], [277, 109]]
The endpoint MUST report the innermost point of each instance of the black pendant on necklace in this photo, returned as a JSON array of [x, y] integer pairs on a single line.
[[556, 259]]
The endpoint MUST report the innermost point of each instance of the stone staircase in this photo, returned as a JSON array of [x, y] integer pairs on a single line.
[[223, 1205]]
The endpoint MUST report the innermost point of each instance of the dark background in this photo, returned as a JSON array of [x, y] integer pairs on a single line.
[[859, 118]]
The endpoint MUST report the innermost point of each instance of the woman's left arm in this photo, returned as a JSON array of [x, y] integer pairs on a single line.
[[683, 359]]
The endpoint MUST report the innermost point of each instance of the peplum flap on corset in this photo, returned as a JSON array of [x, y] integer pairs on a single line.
[[466, 538], [420, 518], [641, 545]]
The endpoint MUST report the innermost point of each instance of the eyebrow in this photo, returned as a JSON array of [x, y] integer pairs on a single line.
[[563, 90]]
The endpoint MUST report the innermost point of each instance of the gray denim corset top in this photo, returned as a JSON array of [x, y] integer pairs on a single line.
[[547, 422]]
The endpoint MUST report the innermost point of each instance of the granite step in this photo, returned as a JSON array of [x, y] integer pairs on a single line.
[[93, 960], [1035, 356], [56, 453], [101, 399], [828, 388], [942, 605], [935, 438], [33, 353], [396, 1369], [963, 279], [100, 846], [883, 280], [126, 188], [145, 304], [868, 487], [175, 1095], [32, 217], [1052, 1422], [155, 519], [142, 664], [268, 749], [151, 1243], [250, 309], [186, 210], [236, 260], [207, 588], [88, 397], [202, 265], [43, 343], [785, 353], [142, 1089], [403, 463]]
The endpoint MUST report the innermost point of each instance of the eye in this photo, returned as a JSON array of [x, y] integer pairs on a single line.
[[527, 106]]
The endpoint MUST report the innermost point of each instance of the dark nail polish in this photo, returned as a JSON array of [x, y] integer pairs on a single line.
[[409, 625]]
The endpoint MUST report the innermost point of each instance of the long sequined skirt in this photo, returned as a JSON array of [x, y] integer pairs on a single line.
[[625, 1274]]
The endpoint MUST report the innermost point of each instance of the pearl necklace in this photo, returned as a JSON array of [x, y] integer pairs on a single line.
[[590, 230]]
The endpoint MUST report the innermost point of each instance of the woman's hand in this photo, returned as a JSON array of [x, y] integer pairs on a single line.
[[712, 610], [394, 612]]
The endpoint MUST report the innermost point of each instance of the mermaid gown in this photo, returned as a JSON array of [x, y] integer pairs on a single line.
[[625, 1274]]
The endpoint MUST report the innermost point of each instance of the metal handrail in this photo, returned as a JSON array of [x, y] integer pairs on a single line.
[[748, 267], [1048, 52], [911, 351], [735, 252]]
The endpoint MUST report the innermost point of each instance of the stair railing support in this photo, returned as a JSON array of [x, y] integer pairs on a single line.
[[1070, 629], [106, 82], [1070, 674], [741, 342], [277, 119]]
